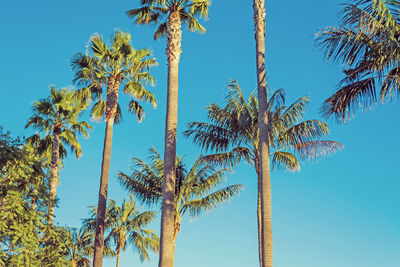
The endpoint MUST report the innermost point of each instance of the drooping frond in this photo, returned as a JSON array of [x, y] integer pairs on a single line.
[[314, 150], [367, 42], [286, 161], [231, 158], [212, 201]]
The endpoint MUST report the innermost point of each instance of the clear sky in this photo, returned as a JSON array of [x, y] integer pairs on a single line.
[[341, 211]]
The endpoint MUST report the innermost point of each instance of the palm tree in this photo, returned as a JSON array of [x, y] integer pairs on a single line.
[[193, 188], [169, 15], [79, 246], [106, 69], [264, 183], [125, 225], [57, 119], [233, 133], [367, 43]]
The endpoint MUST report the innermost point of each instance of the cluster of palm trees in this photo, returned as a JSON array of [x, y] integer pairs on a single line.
[[259, 129]]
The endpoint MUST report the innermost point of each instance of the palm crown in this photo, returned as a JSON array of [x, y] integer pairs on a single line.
[[58, 114], [233, 131], [125, 225], [157, 11], [110, 66], [193, 188], [367, 42], [78, 246]]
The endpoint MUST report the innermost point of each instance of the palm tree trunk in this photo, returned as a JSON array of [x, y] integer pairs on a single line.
[[112, 100], [54, 174], [174, 37], [257, 167], [265, 181], [118, 254], [260, 256], [73, 263]]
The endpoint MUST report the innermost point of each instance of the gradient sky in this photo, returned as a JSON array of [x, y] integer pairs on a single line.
[[342, 211]]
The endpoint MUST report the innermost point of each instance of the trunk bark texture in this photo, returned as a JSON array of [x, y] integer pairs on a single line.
[[174, 38], [111, 107], [265, 178], [257, 167], [54, 173]]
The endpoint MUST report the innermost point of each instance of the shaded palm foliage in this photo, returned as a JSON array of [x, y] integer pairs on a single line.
[[57, 120], [102, 73], [366, 41], [125, 225], [233, 134], [194, 189]]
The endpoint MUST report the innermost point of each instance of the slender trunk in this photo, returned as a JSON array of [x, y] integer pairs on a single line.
[[73, 263], [112, 100], [54, 173], [174, 37], [118, 254], [265, 181], [257, 167]]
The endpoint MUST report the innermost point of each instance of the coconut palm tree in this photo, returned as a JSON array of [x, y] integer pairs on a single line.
[[105, 70], [125, 225], [366, 41], [233, 133], [264, 183], [169, 15], [193, 188], [57, 119]]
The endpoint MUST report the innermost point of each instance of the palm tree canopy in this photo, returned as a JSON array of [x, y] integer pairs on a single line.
[[233, 131], [125, 225], [119, 63], [157, 12], [57, 114], [194, 189], [79, 246], [366, 41]]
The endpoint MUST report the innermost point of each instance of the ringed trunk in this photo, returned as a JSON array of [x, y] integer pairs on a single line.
[[174, 37], [111, 107], [54, 173], [265, 177], [257, 167]]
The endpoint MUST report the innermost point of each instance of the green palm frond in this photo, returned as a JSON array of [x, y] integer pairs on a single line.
[[212, 201], [98, 110], [314, 150], [286, 161], [231, 158], [366, 42]]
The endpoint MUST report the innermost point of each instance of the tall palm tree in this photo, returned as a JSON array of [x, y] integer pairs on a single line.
[[125, 225], [233, 133], [107, 68], [193, 189], [366, 41], [57, 119], [264, 183], [169, 15]]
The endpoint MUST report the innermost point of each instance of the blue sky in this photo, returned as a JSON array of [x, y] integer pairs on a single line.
[[341, 211]]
